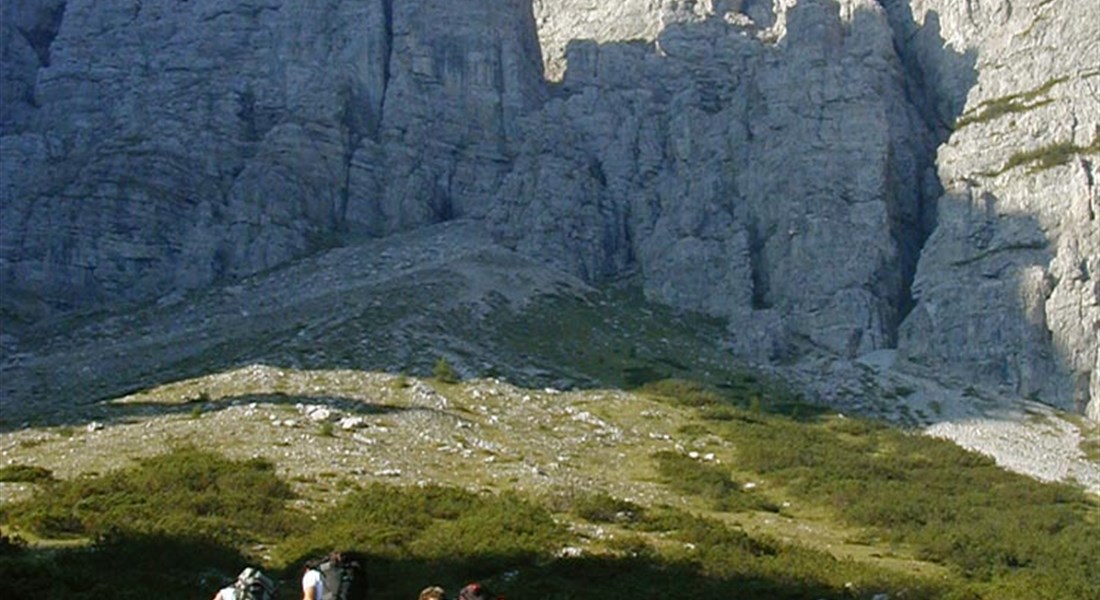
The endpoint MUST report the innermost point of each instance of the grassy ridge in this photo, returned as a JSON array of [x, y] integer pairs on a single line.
[[178, 524]]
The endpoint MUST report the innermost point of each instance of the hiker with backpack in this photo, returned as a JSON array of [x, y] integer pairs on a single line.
[[251, 584], [338, 576]]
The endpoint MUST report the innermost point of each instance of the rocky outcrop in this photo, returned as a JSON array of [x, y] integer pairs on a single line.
[[761, 174], [849, 175], [1007, 288], [168, 144], [171, 144], [563, 21]]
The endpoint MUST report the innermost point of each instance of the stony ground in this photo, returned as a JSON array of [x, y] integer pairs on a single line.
[[1020, 434], [338, 427], [330, 431], [238, 368]]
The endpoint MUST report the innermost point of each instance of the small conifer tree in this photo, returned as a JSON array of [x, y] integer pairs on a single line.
[[444, 372]]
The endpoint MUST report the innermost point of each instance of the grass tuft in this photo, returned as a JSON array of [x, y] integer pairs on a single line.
[[25, 474]]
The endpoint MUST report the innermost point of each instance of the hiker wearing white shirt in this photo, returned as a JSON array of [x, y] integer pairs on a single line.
[[313, 585]]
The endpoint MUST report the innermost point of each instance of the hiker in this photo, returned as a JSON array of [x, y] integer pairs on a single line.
[[338, 576], [251, 584], [313, 585], [476, 591], [432, 593]]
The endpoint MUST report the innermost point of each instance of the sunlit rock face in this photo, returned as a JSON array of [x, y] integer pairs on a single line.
[[1007, 285], [848, 176], [770, 164]]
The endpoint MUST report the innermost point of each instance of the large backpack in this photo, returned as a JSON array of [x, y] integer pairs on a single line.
[[343, 578], [253, 585]]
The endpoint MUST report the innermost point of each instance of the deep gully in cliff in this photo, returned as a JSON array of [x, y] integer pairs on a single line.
[[353, 122], [930, 99]]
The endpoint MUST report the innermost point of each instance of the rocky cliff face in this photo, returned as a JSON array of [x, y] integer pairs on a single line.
[[1007, 286], [724, 160], [851, 175], [167, 144], [152, 145], [460, 76]]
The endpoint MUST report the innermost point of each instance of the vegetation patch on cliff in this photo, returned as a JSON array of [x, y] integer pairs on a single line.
[[1047, 157], [1005, 105]]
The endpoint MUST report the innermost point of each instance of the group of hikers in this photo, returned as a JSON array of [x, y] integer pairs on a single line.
[[338, 576]]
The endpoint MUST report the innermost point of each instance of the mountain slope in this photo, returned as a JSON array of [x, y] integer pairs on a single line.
[[401, 304]]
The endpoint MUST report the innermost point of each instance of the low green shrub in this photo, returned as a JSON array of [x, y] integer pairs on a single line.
[[12, 545], [762, 567], [602, 508], [444, 372], [708, 481], [634, 546], [1047, 157], [955, 507], [636, 376], [414, 536], [25, 474], [681, 392], [186, 492], [426, 523], [1011, 104]]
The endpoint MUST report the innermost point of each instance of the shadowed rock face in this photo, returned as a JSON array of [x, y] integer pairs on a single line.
[[168, 144], [460, 76], [772, 164]]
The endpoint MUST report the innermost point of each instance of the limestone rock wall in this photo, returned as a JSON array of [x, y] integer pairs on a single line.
[[155, 144], [167, 144], [850, 175], [1007, 287], [992, 137], [460, 75], [759, 171]]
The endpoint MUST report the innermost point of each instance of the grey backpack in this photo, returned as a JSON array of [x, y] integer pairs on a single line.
[[254, 585], [343, 577]]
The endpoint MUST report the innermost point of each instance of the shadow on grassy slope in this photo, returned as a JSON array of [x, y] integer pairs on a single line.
[[181, 524], [612, 338], [121, 565], [170, 567], [124, 412]]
